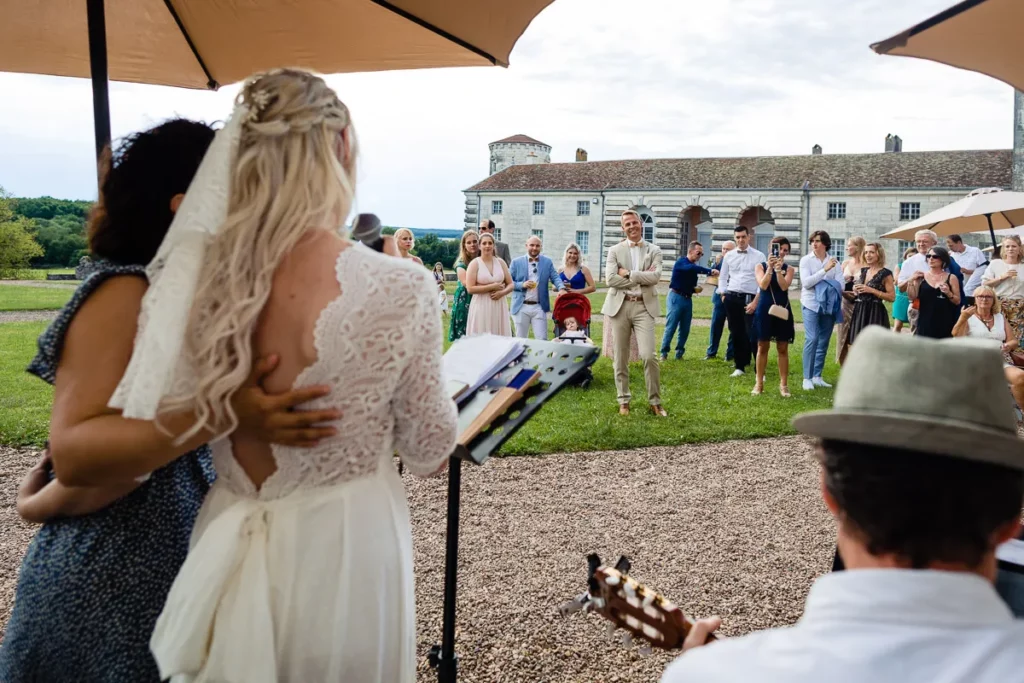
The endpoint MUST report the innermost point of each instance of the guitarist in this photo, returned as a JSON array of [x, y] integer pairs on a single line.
[[917, 529]]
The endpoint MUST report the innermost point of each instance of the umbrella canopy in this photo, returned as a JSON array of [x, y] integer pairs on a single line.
[[983, 210], [206, 43], [977, 35]]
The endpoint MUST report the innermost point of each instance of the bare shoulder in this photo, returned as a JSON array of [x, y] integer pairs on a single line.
[[116, 301]]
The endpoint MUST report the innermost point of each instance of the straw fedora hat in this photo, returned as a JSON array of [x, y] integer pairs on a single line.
[[946, 397]]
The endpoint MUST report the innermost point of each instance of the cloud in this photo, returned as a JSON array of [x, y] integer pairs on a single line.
[[647, 78]]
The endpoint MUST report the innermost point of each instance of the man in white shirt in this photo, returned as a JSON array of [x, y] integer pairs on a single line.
[[970, 259], [737, 285], [918, 530], [819, 320]]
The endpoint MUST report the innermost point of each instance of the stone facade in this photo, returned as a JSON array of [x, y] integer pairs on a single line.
[[864, 186], [517, 151]]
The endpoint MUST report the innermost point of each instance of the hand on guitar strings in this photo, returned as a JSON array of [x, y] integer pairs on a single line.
[[699, 632]]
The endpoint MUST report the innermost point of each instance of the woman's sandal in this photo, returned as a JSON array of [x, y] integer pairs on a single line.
[[784, 391], [757, 391]]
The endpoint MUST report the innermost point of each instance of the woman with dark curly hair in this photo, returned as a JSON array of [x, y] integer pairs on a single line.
[[97, 573]]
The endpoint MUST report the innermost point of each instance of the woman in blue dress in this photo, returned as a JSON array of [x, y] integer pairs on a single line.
[[574, 274], [96, 575], [773, 318]]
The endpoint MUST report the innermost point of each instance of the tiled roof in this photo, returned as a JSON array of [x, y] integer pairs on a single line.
[[957, 169], [521, 138]]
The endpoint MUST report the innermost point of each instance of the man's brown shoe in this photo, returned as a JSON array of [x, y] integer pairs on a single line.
[[624, 409], [659, 411]]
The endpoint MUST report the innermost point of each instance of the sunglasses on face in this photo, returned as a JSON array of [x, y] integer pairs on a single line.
[[931, 256], [984, 296]]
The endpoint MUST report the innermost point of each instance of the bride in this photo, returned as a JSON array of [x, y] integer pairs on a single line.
[[301, 559]]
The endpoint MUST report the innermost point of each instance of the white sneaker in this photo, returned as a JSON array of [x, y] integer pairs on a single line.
[[737, 373], [819, 382], [808, 385]]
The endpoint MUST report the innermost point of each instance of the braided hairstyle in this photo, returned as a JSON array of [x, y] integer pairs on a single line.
[[294, 173]]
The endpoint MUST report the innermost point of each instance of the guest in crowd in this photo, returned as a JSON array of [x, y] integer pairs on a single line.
[[489, 282], [820, 296], [367, 229], [978, 276], [442, 293], [406, 242], [938, 295], [1006, 276], [718, 315], [918, 530], [970, 259], [575, 275], [737, 285], [633, 270], [901, 306], [850, 268], [774, 277], [680, 299], [984, 320], [500, 248], [923, 240], [98, 571], [531, 302], [574, 334], [874, 285], [469, 249]]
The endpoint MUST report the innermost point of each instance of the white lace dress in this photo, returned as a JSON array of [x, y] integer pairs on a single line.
[[310, 579]]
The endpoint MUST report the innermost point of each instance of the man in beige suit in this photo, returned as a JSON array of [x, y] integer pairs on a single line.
[[632, 273]]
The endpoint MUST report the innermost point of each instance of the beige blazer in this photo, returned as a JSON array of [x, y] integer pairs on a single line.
[[618, 257]]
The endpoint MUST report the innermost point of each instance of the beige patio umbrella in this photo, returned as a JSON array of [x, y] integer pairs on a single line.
[[977, 35], [983, 210], [207, 43]]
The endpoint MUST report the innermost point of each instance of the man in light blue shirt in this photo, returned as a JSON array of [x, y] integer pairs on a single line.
[[815, 268], [530, 302]]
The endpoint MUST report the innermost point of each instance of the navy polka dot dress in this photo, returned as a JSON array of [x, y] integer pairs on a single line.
[[91, 588]]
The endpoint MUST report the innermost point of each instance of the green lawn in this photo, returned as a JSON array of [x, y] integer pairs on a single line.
[[22, 298], [25, 399], [41, 273]]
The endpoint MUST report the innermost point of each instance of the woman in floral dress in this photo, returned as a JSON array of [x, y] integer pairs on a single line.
[[469, 249]]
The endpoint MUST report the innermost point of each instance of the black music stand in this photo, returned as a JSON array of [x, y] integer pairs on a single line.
[[559, 364]]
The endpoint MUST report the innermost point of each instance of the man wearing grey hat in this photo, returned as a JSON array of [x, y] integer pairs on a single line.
[[918, 529]]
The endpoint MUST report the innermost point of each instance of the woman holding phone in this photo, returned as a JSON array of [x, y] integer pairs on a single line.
[[773, 318]]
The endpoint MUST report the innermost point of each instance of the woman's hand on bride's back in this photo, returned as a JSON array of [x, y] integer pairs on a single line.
[[272, 417]]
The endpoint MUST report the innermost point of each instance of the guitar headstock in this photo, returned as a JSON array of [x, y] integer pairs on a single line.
[[631, 606]]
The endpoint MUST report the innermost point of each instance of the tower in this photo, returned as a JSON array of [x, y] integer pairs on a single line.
[[517, 150]]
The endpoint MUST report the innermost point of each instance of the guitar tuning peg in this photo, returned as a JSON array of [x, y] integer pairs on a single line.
[[648, 600], [646, 651], [629, 591]]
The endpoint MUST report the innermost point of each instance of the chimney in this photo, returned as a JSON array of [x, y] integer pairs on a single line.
[[893, 143], [581, 154], [816, 149]]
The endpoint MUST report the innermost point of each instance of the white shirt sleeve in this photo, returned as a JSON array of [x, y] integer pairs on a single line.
[[723, 275]]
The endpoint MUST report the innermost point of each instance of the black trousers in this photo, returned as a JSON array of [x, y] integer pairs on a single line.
[[741, 327]]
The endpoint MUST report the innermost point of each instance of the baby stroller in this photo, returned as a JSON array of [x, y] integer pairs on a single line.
[[573, 306]]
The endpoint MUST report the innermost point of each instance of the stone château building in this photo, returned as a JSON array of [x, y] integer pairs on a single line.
[[681, 200]]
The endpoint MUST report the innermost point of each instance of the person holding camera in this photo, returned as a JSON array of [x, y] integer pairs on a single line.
[[773, 318]]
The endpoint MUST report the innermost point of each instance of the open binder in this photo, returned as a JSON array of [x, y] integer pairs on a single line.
[[558, 365]]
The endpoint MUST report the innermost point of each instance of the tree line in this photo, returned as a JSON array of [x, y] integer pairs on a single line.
[[44, 232]]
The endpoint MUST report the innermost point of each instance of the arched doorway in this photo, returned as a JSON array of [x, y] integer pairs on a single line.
[[761, 224], [694, 225]]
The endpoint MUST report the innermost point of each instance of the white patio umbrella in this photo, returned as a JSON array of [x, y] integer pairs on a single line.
[[987, 209]]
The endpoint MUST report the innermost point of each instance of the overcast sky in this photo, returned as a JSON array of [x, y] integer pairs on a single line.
[[622, 79]]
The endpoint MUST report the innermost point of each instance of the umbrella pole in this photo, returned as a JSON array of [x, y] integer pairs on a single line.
[[98, 68], [991, 232]]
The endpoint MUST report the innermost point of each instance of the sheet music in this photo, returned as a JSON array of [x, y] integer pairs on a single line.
[[471, 361], [1012, 552]]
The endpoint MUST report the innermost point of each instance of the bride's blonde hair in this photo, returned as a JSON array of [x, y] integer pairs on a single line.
[[294, 172]]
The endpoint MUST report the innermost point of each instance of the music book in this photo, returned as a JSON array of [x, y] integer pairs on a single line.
[[471, 361]]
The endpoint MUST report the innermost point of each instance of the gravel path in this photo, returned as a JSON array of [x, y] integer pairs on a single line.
[[27, 316], [735, 529]]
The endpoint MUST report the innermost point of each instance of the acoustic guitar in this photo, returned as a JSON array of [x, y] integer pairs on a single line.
[[631, 606]]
